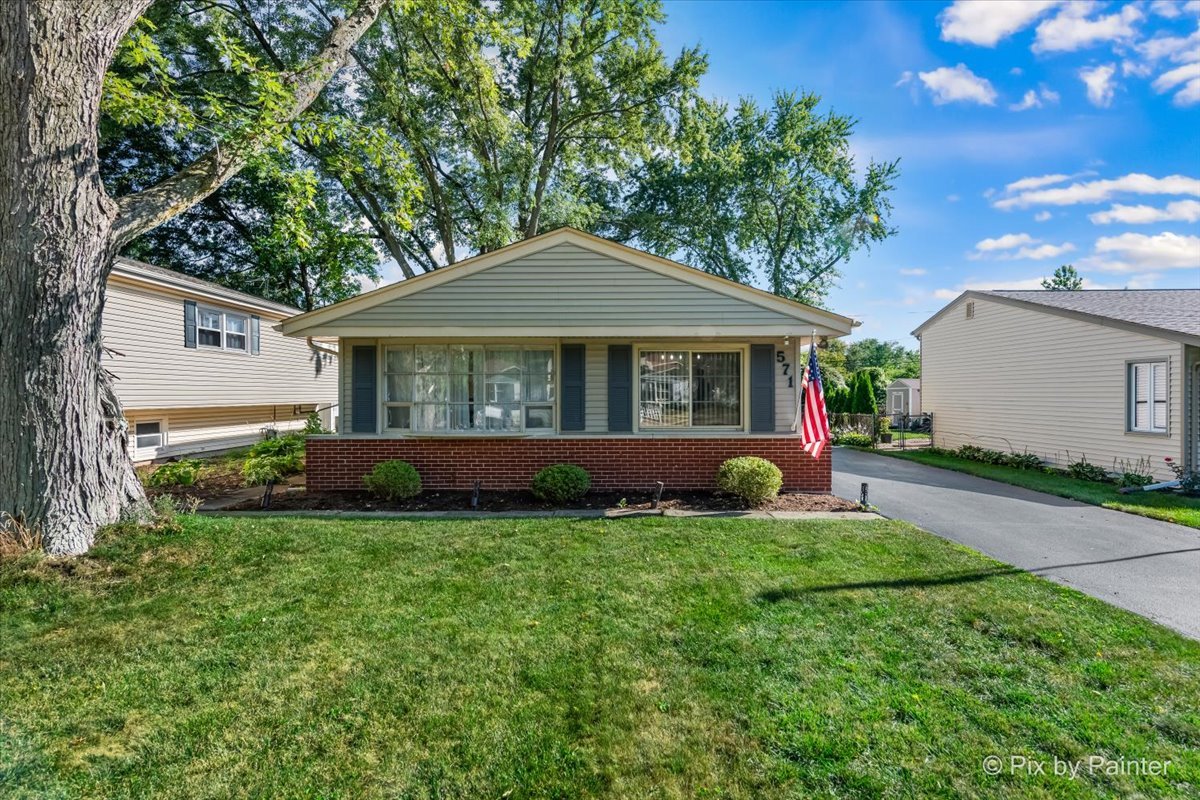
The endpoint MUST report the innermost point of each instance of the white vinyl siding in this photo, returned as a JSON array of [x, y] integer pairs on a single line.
[[1016, 379], [194, 431], [143, 332], [1148, 401]]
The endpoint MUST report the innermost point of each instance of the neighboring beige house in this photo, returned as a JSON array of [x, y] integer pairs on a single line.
[[200, 368], [567, 348], [1112, 377], [904, 398]]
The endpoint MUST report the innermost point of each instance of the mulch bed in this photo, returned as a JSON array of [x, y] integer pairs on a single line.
[[209, 488], [442, 500]]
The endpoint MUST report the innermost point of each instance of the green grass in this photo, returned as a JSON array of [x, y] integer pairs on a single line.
[[1159, 505], [288, 657]]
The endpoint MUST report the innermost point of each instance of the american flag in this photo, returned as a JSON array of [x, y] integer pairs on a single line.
[[814, 426]]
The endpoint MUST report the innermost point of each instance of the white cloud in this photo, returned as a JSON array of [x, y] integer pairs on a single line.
[[950, 85], [986, 23], [1016, 71], [1042, 251], [1042, 216], [1071, 29], [1178, 211], [1035, 99], [1005, 242], [952, 198], [1038, 182], [1018, 284], [1135, 68], [1179, 49], [1137, 251], [1100, 84], [1098, 191], [1189, 76], [905, 78], [1173, 8], [914, 272]]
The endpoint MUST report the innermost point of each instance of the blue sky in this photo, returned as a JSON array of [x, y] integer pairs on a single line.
[[1030, 134]]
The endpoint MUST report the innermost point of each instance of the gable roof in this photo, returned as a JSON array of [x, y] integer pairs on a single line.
[[143, 273], [909, 383], [575, 307], [1168, 313]]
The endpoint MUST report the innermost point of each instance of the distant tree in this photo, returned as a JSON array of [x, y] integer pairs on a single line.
[[862, 394], [768, 193], [1065, 279], [895, 360], [832, 359]]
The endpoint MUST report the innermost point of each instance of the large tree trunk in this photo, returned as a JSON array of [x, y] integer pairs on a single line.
[[63, 462]]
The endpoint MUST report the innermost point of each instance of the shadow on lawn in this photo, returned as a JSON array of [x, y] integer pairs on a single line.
[[796, 592]]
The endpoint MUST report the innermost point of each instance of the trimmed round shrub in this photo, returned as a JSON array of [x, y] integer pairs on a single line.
[[753, 479], [394, 480], [561, 483], [852, 439]]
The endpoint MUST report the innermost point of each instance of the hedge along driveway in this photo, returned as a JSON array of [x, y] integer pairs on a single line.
[[573, 658]]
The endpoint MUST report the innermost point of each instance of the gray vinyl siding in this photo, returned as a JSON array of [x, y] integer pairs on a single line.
[[564, 286], [595, 389], [144, 332], [1017, 379], [194, 431]]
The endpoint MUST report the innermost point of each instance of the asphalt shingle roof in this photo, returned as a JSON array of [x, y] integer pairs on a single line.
[[1167, 309]]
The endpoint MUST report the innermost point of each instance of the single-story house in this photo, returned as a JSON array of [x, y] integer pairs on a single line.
[[1107, 376], [567, 348], [201, 368], [903, 398]]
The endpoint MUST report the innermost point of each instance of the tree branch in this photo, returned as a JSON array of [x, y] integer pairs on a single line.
[[144, 210]]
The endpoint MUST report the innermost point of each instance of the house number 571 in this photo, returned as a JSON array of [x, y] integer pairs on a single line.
[[781, 357]]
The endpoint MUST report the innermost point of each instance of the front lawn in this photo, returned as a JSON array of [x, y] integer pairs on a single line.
[[573, 658], [1159, 505]]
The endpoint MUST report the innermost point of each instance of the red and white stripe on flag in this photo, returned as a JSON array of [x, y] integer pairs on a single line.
[[814, 427]]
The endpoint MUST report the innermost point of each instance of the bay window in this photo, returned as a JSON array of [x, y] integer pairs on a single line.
[[430, 388], [689, 388]]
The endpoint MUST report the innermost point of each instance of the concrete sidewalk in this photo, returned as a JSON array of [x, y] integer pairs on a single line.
[[1140, 564]]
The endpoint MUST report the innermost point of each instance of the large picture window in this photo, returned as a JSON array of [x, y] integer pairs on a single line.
[[429, 388], [687, 388], [1148, 397]]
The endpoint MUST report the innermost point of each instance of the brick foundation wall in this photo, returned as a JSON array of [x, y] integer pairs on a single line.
[[338, 463]]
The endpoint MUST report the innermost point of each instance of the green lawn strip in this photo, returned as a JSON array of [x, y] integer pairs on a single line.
[[1159, 505], [572, 658]]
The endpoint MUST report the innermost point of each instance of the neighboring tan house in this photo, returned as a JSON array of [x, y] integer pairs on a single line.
[[200, 368], [1110, 376], [567, 348], [903, 398]]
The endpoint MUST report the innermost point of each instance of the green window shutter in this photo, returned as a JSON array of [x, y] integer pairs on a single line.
[[364, 398], [762, 388], [189, 323], [573, 357], [255, 324], [620, 387]]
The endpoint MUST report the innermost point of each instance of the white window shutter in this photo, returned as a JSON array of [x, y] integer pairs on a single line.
[[1159, 396]]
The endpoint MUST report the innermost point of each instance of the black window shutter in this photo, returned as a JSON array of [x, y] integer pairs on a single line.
[[364, 405], [189, 323], [762, 388], [620, 387], [255, 323], [573, 358]]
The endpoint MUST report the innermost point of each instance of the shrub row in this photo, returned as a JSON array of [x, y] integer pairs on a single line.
[[1123, 473], [754, 480], [272, 460]]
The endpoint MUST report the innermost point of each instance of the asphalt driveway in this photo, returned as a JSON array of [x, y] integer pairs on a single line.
[[1143, 565]]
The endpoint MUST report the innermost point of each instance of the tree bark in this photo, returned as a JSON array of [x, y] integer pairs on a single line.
[[64, 468], [64, 463]]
